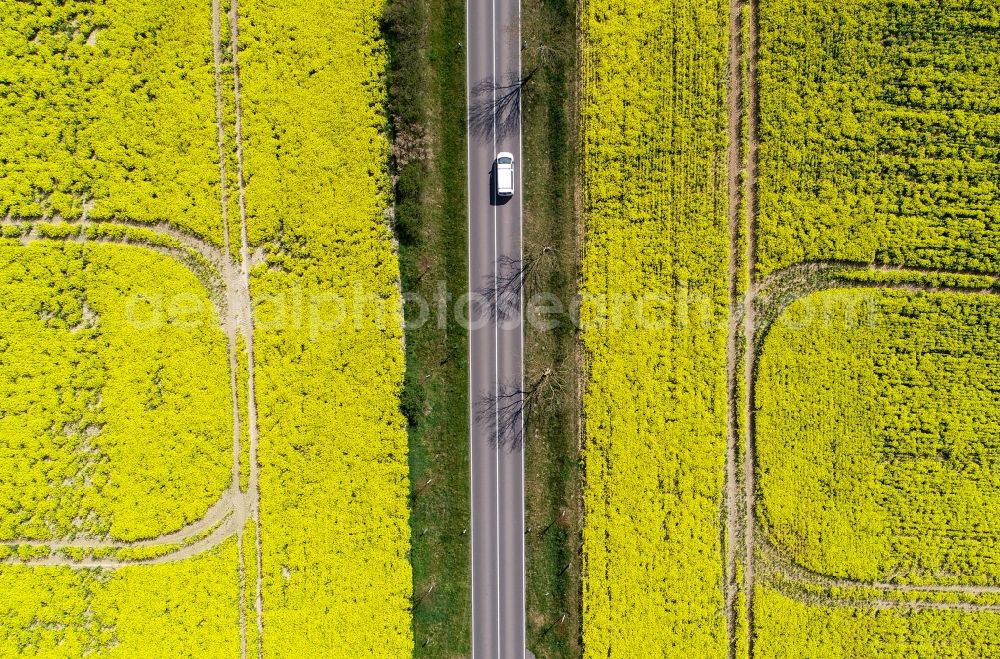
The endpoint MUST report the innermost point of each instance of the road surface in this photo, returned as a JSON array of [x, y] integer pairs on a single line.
[[495, 348]]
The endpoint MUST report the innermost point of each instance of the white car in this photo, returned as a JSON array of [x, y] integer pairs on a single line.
[[505, 174]]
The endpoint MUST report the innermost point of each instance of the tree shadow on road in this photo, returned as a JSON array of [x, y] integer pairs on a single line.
[[497, 104]]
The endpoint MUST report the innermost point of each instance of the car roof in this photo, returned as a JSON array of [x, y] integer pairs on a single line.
[[505, 179]]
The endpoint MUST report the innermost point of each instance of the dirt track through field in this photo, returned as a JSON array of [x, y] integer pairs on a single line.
[[231, 326], [223, 518], [749, 444], [742, 196], [244, 315], [215, 516], [780, 562], [733, 157], [224, 529]]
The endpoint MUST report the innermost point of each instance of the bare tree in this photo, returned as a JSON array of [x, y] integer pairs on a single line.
[[504, 412], [503, 290], [497, 105]]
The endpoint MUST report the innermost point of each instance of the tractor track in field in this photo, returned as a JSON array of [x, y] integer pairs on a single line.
[[772, 295], [222, 530], [770, 298], [766, 300], [752, 314], [749, 324], [733, 157], [211, 262], [244, 316], [780, 563], [231, 326], [205, 250], [222, 518], [214, 517], [882, 602], [227, 281], [742, 200]]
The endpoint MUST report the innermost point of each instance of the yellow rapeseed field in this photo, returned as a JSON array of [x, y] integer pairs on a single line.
[[655, 406], [184, 472]]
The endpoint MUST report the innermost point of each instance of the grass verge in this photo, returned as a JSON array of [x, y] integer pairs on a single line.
[[553, 471], [426, 83]]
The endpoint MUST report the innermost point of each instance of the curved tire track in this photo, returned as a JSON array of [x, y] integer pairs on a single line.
[[771, 298], [231, 502], [763, 304]]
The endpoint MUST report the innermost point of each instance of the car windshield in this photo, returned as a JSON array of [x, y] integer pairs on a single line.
[[505, 161]]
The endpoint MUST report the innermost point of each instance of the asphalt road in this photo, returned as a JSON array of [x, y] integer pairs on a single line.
[[495, 347]]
